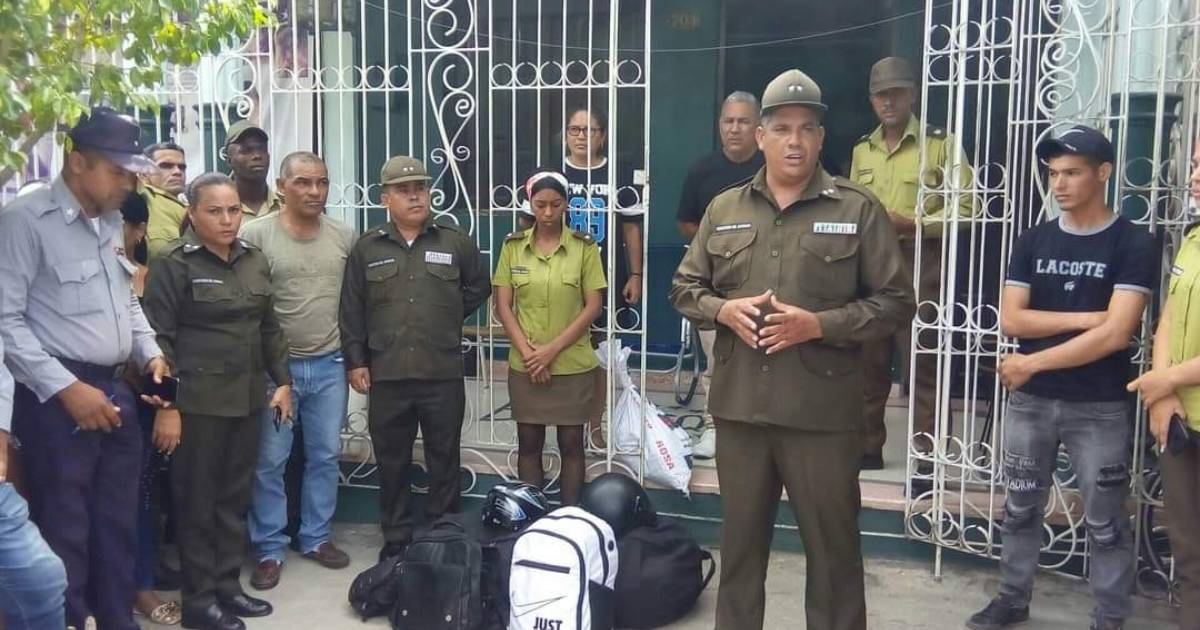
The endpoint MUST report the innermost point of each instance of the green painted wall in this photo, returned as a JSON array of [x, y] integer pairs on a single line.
[[684, 96]]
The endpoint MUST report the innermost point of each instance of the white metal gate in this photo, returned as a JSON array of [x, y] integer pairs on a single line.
[[1000, 75], [476, 88]]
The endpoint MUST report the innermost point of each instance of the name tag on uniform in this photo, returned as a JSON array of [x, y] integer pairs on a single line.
[[520, 270], [825, 227], [1176, 270], [207, 281], [439, 258], [732, 227], [380, 263]]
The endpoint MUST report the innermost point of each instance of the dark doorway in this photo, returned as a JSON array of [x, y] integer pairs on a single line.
[[833, 42]]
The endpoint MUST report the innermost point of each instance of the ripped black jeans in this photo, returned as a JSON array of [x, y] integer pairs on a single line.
[[1097, 439]]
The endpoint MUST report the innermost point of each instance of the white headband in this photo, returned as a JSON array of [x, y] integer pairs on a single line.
[[537, 177]]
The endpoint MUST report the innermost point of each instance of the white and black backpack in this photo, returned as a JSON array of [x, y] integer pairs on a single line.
[[564, 569]]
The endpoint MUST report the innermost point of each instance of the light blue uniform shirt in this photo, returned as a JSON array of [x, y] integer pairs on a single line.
[[65, 290], [6, 393]]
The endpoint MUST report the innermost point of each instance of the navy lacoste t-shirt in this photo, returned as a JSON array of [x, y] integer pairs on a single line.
[[1070, 271]]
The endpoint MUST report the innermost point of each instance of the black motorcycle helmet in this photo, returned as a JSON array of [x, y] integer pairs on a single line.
[[513, 505], [620, 500]]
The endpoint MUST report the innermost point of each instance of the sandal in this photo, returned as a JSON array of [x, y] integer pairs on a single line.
[[165, 614]]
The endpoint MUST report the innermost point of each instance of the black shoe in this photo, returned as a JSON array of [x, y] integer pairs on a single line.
[[392, 550], [211, 618], [921, 482], [872, 462], [245, 606], [999, 613], [918, 487]]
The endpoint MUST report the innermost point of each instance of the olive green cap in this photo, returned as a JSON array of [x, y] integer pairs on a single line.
[[242, 128], [402, 169], [793, 87], [892, 72]]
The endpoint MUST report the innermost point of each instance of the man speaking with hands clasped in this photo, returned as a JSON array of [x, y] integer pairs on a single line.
[[802, 268]]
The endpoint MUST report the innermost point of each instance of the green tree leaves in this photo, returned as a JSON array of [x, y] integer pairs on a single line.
[[59, 57]]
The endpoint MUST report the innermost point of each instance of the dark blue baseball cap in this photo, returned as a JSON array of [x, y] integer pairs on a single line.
[[1078, 140], [116, 136]]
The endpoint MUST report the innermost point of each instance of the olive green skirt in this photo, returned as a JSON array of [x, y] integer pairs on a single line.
[[564, 401]]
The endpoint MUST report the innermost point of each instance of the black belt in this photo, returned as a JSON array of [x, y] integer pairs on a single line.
[[91, 371]]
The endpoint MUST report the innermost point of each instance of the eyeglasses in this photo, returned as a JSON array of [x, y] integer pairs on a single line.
[[577, 130], [172, 166]]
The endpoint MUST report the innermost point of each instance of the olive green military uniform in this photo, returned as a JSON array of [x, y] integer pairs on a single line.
[[793, 419], [401, 315], [166, 215], [272, 204], [895, 176], [549, 293], [1181, 473], [216, 326]]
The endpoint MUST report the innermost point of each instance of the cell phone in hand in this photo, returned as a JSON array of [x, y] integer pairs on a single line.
[[278, 418], [168, 389], [1178, 435]]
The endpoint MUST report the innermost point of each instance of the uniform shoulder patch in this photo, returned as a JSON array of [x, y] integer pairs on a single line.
[[186, 247], [515, 236], [863, 138], [248, 245], [933, 131], [583, 236]]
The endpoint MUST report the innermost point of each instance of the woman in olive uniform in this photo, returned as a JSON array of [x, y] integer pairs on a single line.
[[548, 288], [208, 298], [1172, 388]]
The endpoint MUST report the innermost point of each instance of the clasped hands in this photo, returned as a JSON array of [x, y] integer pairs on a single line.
[[783, 327]]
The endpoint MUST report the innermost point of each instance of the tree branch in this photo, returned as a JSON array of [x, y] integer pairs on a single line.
[[26, 146]]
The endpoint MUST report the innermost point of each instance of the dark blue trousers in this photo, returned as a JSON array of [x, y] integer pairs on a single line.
[[83, 489]]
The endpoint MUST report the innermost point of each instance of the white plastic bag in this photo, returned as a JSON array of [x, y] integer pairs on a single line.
[[668, 448]]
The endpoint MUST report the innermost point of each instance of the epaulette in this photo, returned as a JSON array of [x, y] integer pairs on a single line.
[[160, 193], [583, 236], [375, 231], [933, 131], [185, 246], [447, 226], [515, 236], [737, 184], [865, 138], [248, 244]]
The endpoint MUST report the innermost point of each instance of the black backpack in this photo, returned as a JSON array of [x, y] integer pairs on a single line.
[[437, 581], [493, 581], [373, 592], [662, 574]]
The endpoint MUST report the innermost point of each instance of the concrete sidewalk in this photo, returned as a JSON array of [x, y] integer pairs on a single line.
[[900, 595]]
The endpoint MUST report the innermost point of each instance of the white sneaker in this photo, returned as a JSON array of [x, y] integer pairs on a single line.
[[706, 446]]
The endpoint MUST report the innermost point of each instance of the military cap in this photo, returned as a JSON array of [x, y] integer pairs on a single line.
[[114, 135], [892, 72], [241, 130], [793, 87], [402, 169]]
